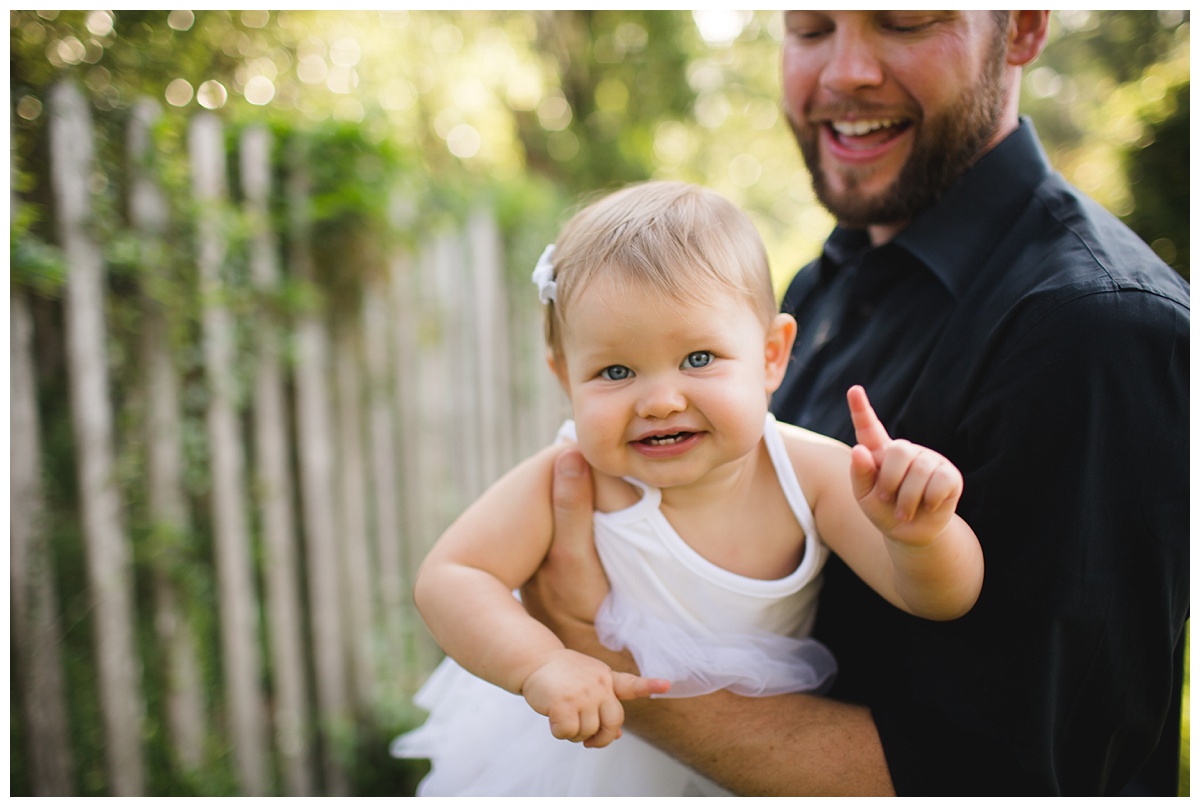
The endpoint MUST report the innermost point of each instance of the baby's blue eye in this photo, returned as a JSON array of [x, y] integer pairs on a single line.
[[617, 372], [700, 358]]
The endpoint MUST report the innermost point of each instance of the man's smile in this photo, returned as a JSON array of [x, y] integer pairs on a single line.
[[864, 134]]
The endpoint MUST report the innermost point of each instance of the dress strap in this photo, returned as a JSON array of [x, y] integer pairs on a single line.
[[787, 476], [567, 433]]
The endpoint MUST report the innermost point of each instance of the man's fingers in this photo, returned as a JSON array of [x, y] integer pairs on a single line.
[[572, 488], [570, 585], [868, 430]]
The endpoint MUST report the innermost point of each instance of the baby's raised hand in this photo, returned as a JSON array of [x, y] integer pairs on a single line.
[[908, 491], [582, 697]]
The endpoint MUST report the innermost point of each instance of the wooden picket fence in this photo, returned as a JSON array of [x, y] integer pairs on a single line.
[[353, 443]]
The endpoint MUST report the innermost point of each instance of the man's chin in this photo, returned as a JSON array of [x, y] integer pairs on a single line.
[[852, 209]]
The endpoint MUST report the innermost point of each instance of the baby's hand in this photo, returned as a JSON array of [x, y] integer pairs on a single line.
[[908, 491], [582, 697]]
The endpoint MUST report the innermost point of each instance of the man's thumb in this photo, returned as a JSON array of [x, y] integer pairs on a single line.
[[572, 487]]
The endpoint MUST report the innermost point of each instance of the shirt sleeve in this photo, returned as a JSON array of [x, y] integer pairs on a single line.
[[1074, 449]]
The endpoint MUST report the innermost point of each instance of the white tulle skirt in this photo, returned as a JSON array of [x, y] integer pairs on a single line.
[[484, 741]]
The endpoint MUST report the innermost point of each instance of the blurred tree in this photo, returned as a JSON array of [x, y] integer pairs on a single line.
[[1157, 175], [1110, 99], [620, 75]]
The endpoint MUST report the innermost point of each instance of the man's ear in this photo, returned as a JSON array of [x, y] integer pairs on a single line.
[[1027, 33], [778, 352]]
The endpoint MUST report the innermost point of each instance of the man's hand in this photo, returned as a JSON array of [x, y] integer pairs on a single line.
[[908, 491], [569, 587]]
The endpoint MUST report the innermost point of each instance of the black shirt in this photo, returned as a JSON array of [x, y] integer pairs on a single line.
[[1026, 334]]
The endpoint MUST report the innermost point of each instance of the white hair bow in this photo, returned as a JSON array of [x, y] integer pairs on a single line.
[[543, 276]]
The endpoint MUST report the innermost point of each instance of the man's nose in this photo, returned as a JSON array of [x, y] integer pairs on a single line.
[[660, 398], [853, 62]]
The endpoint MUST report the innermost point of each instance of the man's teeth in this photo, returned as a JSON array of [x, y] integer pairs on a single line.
[[857, 128], [666, 439]]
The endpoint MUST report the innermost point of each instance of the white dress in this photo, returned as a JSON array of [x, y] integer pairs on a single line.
[[682, 617]]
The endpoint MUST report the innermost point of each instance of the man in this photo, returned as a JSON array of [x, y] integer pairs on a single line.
[[1001, 318]]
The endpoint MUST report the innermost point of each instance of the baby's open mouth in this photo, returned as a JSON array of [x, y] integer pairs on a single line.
[[667, 439]]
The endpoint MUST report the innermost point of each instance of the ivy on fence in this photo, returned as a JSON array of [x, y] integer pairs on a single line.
[[285, 369]]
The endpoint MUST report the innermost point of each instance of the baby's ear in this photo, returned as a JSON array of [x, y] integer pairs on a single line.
[[778, 349], [558, 366]]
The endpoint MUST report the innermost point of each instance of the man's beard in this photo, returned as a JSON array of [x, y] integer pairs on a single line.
[[943, 149]]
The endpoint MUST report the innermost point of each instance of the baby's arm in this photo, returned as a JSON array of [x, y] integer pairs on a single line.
[[928, 560], [464, 593]]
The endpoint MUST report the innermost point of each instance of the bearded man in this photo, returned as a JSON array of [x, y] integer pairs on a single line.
[[1000, 317]]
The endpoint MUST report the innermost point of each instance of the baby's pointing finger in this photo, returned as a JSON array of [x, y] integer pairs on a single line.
[[868, 430], [627, 686]]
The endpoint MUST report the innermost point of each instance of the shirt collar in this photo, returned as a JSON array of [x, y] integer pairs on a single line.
[[953, 237]]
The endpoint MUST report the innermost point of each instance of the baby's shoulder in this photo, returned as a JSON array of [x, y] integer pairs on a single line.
[[814, 456], [540, 465], [532, 475], [609, 493], [799, 440]]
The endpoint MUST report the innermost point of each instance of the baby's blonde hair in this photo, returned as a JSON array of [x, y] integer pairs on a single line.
[[674, 239]]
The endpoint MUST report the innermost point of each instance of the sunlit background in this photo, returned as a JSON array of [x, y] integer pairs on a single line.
[[587, 99]]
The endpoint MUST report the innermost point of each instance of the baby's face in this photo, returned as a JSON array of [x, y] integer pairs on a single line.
[[663, 391]]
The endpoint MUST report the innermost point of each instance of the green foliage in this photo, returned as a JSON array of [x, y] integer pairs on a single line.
[[1162, 204], [1110, 99], [34, 264], [621, 74]]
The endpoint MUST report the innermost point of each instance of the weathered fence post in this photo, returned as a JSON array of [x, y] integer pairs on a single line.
[[494, 409], [352, 518], [273, 485], [450, 282], [36, 627], [238, 606], [167, 502], [316, 460], [405, 311], [385, 488], [109, 555], [432, 480]]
